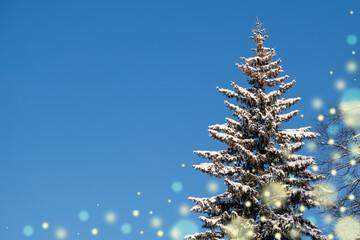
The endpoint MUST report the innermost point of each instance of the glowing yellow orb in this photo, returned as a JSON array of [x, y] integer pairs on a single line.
[[331, 72], [332, 110], [353, 52], [315, 168], [320, 117], [183, 165], [301, 115], [156, 222], [295, 233], [351, 197], [212, 187], [250, 233], [169, 200], [136, 213], [342, 209], [175, 233], [184, 210], [340, 85], [94, 231], [277, 235], [160, 233], [351, 12], [60, 233], [274, 194], [141, 232], [266, 194], [351, 66], [333, 172], [262, 218], [352, 162], [247, 204], [45, 225], [317, 103], [151, 212], [138, 193], [302, 208], [331, 141], [330, 236], [239, 228], [324, 195], [347, 227], [110, 217]]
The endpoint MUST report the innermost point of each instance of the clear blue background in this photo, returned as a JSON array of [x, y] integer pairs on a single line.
[[102, 99]]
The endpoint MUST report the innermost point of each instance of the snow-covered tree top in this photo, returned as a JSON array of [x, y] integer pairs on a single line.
[[259, 156]]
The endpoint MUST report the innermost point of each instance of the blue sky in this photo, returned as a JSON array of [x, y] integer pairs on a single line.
[[103, 99]]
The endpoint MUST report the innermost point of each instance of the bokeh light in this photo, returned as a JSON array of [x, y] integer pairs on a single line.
[[136, 213], [94, 231], [274, 194], [240, 228], [351, 39], [175, 233], [347, 228], [354, 149], [350, 107], [212, 187], [333, 129], [60, 233], [156, 222], [160, 233], [335, 155], [84, 216], [28, 230], [295, 233], [328, 219], [311, 146], [277, 235], [110, 217], [126, 228], [184, 210], [351, 67], [324, 195], [340, 84], [182, 228], [317, 103], [177, 186], [45, 225]]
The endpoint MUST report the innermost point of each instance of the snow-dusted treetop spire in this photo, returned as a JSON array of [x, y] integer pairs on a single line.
[[268, 185]]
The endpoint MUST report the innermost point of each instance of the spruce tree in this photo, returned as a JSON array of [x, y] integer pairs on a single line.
[[268, 185]]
